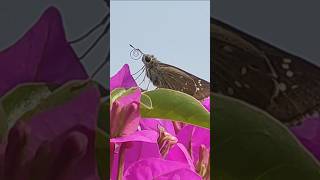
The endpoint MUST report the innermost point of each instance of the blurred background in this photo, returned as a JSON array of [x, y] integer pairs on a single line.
[[290, 25], [79, 16]]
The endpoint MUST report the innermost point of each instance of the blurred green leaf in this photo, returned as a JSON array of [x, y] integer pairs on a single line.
[[175, 105], [60, 96], [20, 100], [251, 145]]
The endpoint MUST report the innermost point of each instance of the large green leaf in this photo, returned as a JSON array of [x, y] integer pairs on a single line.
[[174, 105], [250, 145]]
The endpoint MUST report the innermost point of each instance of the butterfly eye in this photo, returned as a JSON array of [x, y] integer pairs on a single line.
[[147, 59]]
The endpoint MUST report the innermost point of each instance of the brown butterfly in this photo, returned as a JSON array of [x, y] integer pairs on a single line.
[[167, 76], [282, 84]]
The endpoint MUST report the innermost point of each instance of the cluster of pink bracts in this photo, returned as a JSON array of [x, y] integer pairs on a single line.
[[145, 148]]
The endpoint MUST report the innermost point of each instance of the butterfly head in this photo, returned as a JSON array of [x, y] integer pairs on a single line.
[[149, 60]]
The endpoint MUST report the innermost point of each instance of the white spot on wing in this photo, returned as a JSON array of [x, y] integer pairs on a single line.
[[285, 66], [243, 70], [287, 60], [294, 86], [238, 84], [289, 73], [282, 87]]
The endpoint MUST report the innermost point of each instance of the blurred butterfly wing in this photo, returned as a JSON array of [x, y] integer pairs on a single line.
[[262, 75], [180, 80]]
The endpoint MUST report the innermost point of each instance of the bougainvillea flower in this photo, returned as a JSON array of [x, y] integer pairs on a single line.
[[151, 140], [154, 123], [125, 114], [138, 146], [61, 137], [193, 138], [179, 153], [41, 55], [122, 79], [206, 103], [309, 135], [156, 168]]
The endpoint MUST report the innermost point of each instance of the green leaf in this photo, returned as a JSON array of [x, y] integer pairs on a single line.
[[146, 101], [175, 105], [251, 145], [120, 92], [116, 93]]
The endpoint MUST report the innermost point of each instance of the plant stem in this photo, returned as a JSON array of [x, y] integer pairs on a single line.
[[121, 161]]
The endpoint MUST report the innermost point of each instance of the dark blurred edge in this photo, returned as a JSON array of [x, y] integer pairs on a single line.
[[212, 80]]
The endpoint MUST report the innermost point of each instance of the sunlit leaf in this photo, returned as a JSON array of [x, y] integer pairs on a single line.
[[175, 105]]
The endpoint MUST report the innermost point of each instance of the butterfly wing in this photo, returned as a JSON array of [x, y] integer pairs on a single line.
[[180, 80], [262, 75]]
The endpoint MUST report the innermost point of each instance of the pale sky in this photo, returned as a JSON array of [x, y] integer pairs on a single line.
[[176, 32]]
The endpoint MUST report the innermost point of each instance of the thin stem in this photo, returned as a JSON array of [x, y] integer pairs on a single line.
[[121, 161]]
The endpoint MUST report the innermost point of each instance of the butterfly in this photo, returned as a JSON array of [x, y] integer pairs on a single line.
[[284, 85], [167, 76]]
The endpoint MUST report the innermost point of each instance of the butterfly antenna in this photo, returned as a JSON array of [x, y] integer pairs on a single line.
[[136, 49], [135, 53], [138, 71]]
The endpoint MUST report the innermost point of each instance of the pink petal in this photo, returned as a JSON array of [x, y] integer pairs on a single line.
[[144, 136], [41, 55], [206, 103], [122, 79], [197, 136], [153, 123], [154, 168], [180, 154], [139, 145], [309, 135]]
